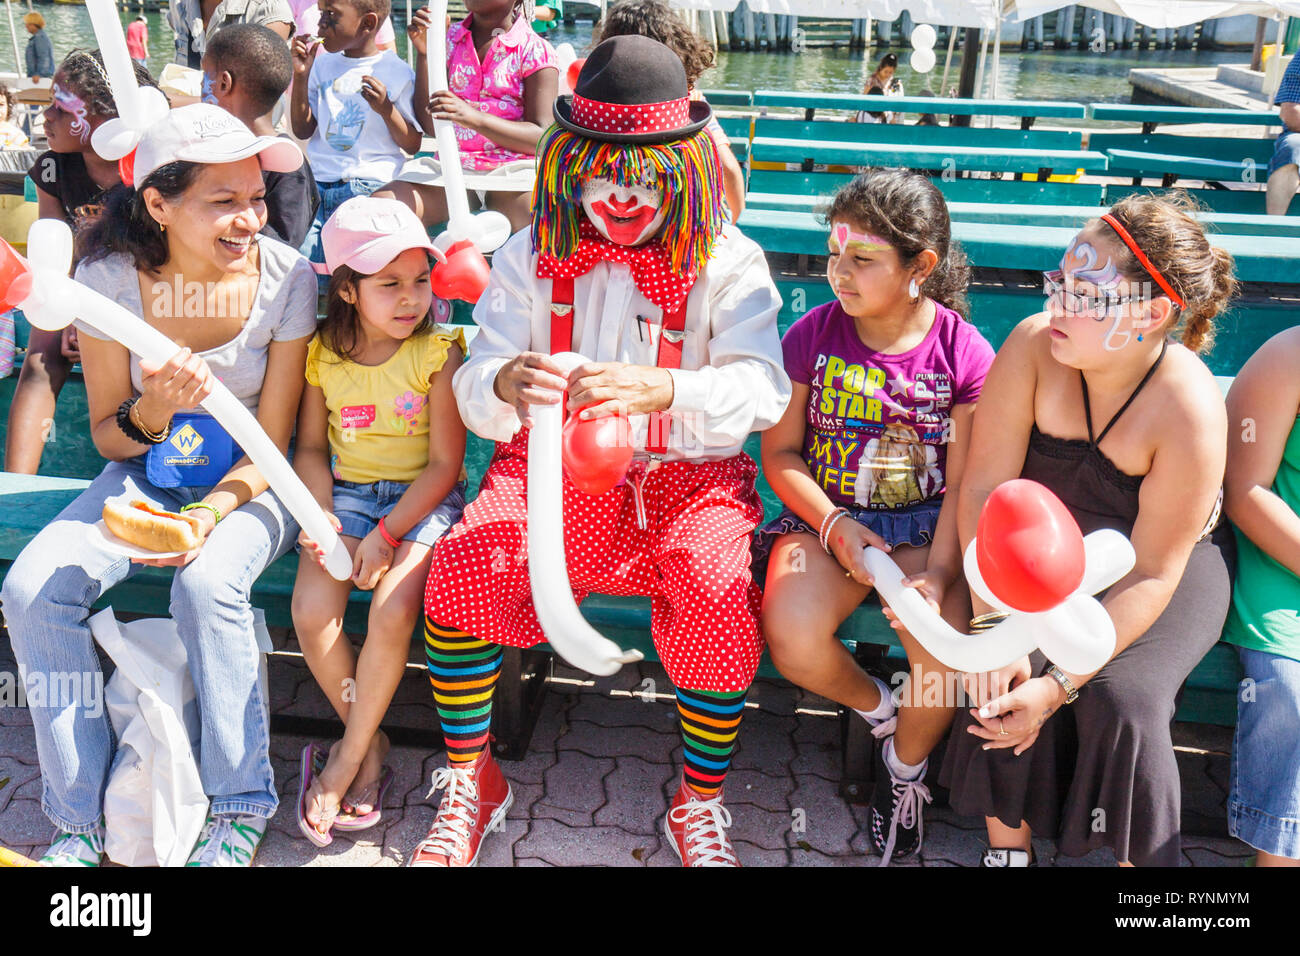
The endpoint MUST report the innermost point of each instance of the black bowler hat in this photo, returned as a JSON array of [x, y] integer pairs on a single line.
[[632, 89]]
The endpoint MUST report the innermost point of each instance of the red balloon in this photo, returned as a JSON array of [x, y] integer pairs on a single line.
[[462, 275], [571, 74], [126, 169], [1028, 546], [15, 277], [596, 452]]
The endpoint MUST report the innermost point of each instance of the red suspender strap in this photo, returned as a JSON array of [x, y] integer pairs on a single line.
[[671, 337], [561, 314]]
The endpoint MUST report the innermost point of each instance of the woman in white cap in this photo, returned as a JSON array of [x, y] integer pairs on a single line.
[[181, 249]]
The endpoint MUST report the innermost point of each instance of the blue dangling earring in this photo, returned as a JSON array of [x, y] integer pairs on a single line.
[[1139, 336]]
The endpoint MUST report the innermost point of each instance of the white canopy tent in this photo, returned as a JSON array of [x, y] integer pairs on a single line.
[[1161, 14], [959, 13]]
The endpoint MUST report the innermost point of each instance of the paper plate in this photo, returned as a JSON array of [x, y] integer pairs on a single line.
[[100, 536]]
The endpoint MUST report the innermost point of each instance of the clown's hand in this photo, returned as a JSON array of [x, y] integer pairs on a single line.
[[530, 378], [612, 388]]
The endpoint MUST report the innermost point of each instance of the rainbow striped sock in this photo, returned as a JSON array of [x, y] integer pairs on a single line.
[[463, 671], [710, 723]]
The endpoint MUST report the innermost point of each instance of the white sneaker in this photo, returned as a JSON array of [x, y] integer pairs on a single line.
[[76, 849], [228, 839]]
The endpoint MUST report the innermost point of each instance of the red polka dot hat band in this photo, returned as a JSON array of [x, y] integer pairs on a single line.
[[632, 90], [655, 118]]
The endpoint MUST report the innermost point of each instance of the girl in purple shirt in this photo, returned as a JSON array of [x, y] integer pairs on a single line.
[[885, 381]]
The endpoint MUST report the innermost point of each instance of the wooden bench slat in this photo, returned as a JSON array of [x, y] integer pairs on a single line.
[[921, 104], [1181, 114], [916, 156]]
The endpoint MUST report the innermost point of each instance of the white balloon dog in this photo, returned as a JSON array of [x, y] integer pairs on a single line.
[[1077, 635], [566, 629], [487, 230], [53, 300], [137, 109]]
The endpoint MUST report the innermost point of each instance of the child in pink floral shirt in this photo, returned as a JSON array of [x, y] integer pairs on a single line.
[[503, 81]]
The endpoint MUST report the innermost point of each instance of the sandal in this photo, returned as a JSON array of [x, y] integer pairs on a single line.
[[372, 794], [313, 763]]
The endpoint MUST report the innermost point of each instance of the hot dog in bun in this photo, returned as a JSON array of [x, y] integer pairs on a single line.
[[141, 524]]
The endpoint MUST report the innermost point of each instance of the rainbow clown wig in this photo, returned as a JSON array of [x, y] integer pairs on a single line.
[[630, 121]]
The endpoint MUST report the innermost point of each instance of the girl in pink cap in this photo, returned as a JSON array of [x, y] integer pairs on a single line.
[[381, 445]]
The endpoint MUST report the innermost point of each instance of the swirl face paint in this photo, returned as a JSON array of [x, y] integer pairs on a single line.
[[627, 215], [75, 106], [1081, 262], [208, 95]]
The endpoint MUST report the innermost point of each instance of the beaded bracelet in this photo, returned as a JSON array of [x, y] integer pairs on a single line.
[[134, 431], [384, 533]]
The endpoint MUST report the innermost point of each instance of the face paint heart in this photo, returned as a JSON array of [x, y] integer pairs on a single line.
[[464, 274], [596, 452], [1029, 547]]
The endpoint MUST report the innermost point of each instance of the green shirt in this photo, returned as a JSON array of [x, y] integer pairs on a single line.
[[1265, 613], [543, 26]]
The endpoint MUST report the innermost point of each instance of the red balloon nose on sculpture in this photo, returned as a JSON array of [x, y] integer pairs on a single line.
[[463, 274], [1028, 546], [596, 452], [126, 169], [15, 277]]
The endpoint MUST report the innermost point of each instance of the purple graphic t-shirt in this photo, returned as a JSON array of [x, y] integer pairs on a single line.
[[878, 425]]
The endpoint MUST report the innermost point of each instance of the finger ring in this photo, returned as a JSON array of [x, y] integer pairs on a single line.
[[1002, 727]]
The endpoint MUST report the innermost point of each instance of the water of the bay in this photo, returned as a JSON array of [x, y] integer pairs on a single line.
[[1040, 75]]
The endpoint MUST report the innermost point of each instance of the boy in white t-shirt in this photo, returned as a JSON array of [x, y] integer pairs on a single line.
[[352, 102]]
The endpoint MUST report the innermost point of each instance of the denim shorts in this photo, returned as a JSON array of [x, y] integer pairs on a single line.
[[1286, 152], [360, 506], [1264, 791]]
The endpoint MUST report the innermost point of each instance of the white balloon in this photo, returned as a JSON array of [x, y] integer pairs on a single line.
[[565, 55], [566, 629], [461, 222], [922, 61], [56, 299], [923, 37], [137, 109], [1077, 635]]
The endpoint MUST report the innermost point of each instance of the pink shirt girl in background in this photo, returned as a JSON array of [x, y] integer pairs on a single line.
[[503, 81], [870, 452]]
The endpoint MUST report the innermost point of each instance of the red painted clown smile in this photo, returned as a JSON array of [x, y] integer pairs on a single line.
[[627, 215]]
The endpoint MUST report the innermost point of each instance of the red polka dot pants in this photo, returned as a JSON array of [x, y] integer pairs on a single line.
[[692, 559]]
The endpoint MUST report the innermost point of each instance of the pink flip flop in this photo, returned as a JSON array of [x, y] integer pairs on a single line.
[[313, 762], [367, 820]]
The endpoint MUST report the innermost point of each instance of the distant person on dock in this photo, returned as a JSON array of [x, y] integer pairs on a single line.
[[137, 40], [1283, 174], [246, 70], [883, 83], [503, 79], [195, 22], [353, 103], [39, 52], [658, 21], [70, 179]]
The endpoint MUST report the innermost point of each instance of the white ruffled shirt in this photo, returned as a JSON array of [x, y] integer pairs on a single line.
[[732, 377]]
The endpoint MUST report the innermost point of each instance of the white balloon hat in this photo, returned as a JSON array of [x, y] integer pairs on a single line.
[[566, 629], [487, 230], [137, 109], [1077, 634], [40, 286]]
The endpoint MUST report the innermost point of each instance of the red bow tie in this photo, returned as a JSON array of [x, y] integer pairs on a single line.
[[651, 271]]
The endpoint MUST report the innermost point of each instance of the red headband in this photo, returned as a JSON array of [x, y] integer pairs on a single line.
[[1142, 258]]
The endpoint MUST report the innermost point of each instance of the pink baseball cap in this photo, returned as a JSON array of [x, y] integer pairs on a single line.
[[366, 234], [205, 133]]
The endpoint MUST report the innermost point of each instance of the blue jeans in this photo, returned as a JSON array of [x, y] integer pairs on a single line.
[[47, 597], [1286, 152], [1264, 789], [332, 195], [360, 506]]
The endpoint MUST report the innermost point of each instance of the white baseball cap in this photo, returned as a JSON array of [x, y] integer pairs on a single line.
[[205, 133], [366, 233]]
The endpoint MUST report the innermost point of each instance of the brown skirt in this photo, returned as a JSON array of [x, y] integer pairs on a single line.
[[1102, 772]]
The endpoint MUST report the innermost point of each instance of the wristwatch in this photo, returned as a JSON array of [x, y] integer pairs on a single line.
[[1071, 693]]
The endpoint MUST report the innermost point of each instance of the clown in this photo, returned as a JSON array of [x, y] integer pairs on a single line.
[[631, 263]]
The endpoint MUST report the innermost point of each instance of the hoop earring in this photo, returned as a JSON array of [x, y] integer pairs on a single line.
[[913, 289]]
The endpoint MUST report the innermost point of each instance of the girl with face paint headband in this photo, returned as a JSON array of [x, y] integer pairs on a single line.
[[1093, 399], [70, 182], [870, 452]]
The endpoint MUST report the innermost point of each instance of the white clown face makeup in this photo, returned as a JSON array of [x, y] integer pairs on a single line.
[[627, 215]]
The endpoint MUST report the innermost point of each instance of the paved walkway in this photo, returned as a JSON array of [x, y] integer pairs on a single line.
[[597, 781]]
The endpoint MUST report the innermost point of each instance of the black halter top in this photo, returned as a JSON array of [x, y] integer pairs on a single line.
[[1096, 492]]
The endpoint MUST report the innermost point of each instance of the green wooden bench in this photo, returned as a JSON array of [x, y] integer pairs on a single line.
[[1028, 111], [1242, 201], [770, 188], [1152, 116], [807, 154], [1168, 157]]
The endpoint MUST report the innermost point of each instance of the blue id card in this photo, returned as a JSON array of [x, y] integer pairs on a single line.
[[197, 453]]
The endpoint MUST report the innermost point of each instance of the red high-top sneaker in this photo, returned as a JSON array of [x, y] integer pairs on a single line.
[[696, 828], [475, 803]]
